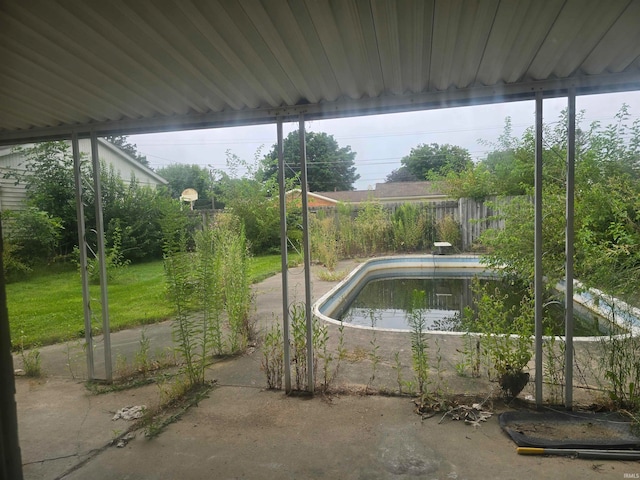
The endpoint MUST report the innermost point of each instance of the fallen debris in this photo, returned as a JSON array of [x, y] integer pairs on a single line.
[[130, 413], [427, 407], [472, 415], [122, 441]]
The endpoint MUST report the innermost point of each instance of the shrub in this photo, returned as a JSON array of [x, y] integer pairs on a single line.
[[114, 260], [506, 335], [412, 227], [33, 235], [324, 241], [448, 230]]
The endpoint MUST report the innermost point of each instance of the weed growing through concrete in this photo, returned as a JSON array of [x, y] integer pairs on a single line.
[[441, 384], [142, 361], [231, 244], [72, 358], [321, 350], [374, 354], [620, 367], [553, 365], [273, 357], [471, 356], [397, 366], [176, 397], [208, 295], [31, 361], [187, 330], [342, 350], [419, 342], [299, 344], [213, 277]]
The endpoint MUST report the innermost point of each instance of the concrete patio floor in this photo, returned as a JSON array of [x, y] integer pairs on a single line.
[[243, 430]]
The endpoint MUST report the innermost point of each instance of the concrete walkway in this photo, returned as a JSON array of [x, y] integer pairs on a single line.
[[244, 431]]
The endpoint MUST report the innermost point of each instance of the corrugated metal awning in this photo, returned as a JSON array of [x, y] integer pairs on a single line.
[[146, 65]]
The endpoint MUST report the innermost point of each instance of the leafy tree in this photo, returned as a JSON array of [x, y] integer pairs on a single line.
[[434, 159], [136, 218], [49, 183], [182, 176], [121, 142], [402, 174], [607, 209], [50, 187], [329, 166], [256, 203]]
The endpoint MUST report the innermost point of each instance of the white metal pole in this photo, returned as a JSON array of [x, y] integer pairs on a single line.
[[82, 245], [538, 286], [284, 259], [97, 189], [307, 254], [569, 248]]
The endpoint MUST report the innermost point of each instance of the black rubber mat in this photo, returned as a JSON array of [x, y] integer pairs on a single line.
[[570, 429]]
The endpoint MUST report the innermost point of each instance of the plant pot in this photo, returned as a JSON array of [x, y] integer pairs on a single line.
[[513, 382]]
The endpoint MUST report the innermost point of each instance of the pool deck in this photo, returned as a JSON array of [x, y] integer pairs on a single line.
[[243, 430]]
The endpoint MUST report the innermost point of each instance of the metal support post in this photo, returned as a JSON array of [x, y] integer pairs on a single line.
[[285, 263], [569, 248], [307, 253], [538, 286], [82, 244], [97, 189], [10, 455]]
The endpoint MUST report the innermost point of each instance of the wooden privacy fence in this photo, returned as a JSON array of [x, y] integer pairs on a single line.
[[473, 217]]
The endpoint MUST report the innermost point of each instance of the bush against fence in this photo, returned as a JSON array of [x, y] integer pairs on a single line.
[[374, 228]]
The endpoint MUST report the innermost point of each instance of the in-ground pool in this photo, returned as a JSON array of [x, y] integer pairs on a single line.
[[379, 292]]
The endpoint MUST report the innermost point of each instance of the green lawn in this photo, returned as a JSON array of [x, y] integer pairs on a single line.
[[47, 308]]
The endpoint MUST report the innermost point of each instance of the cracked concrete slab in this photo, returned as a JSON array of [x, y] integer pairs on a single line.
[[244, 431]]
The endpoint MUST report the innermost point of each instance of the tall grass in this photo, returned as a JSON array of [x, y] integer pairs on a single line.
[[232, 256], [347, 232], [211, 279]]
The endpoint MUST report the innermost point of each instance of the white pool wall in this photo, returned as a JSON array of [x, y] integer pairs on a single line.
[[327, 305]]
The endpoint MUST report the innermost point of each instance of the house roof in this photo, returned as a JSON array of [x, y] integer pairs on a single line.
[[393, 191], [141, 166], [7, 150], [406, 189], [133, 66]]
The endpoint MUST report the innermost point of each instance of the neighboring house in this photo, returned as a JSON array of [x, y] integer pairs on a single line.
[[395, 192], [294, 198], [12, 196]]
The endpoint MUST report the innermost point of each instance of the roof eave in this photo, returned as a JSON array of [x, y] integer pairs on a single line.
[[346, 107]]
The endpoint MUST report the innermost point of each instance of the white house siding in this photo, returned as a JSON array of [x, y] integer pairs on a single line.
[[12, 196]]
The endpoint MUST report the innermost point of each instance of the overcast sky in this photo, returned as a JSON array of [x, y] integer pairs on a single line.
[[379, 141]]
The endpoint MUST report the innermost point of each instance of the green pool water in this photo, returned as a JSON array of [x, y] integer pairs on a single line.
[[385, 302]]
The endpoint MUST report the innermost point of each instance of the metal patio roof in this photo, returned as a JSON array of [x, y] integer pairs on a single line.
[[124, 66]]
